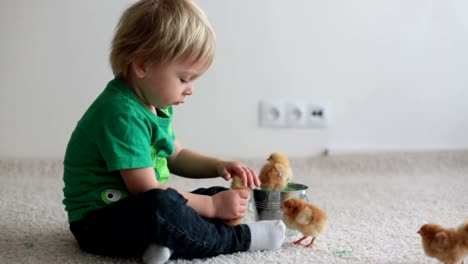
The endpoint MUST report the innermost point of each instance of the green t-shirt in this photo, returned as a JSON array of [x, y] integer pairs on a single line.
[[116, 132]]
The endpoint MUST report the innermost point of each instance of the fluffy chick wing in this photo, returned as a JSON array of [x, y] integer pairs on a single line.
[[284, 172], [440, 242], [304, 217]]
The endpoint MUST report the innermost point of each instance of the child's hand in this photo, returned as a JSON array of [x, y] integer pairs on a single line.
[[231, 204], [227, 169]]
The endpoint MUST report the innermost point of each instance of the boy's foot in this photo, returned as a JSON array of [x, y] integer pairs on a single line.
[[156, 254], [267, 234]]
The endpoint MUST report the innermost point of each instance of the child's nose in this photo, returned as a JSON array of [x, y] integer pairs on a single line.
[[189, 90]]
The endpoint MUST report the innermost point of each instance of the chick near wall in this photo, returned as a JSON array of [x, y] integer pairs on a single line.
[[276, 173]]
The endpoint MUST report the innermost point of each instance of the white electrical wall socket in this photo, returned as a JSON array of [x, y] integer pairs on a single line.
[[278, 113], [272, 113], [295, 114]]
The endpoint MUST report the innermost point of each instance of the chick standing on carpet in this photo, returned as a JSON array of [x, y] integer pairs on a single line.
[[276, 173], [304, 217], [123, 150], [448, 245]]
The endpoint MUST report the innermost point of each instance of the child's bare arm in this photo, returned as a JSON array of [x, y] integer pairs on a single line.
[[225, 205], [190, 164]]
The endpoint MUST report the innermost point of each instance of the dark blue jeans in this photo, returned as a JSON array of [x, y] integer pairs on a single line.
[[126, 228]]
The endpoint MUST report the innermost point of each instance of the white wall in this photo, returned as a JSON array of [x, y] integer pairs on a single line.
[[393, 71]]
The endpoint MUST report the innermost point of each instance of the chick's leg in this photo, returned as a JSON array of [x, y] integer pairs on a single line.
[[298, 242], [311, 244]]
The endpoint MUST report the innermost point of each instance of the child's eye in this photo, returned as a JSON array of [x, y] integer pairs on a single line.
[[183, 80]]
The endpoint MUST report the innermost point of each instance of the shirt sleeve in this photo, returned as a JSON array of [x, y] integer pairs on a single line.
[[125, 141]]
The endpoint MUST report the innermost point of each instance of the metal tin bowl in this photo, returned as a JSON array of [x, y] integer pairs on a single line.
[[268, 203]]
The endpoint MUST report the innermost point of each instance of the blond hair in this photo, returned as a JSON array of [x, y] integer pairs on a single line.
[[161, 32]]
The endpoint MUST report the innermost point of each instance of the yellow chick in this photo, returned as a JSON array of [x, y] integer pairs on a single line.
[[305, 218], [276, 173], [448, 245], [236, 184]]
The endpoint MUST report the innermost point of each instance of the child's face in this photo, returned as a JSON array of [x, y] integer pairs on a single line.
[[164, 85]]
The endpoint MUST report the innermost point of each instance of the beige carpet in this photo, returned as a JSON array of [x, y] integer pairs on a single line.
[[376, 203]]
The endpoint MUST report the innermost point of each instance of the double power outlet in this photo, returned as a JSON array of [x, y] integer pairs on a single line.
[[282, 113]]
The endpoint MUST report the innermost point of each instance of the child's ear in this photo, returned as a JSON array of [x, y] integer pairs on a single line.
[[140, 68]]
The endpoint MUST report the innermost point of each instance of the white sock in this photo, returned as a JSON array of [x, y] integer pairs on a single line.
[[267, 234], [156, 254]]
